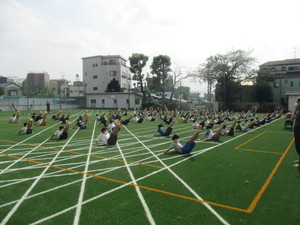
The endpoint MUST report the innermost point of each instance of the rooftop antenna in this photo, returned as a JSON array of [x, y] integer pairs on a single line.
[[77, 77], [295, 52]]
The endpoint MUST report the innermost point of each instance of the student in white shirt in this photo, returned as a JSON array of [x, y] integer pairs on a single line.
[[62, 132], [112, 138], [27, 127], [187, 147], [111, 125]]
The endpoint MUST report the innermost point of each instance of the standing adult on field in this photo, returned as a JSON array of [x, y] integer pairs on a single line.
[[48, 106], [296, 116]]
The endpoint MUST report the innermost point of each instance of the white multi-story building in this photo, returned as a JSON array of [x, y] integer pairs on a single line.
[[284, 78], [99, 70]]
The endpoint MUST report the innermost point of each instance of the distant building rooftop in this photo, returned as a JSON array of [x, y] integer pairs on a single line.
[[105, 56], [282, 62]]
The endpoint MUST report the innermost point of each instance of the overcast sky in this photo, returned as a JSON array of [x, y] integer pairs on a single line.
[[53, 35]]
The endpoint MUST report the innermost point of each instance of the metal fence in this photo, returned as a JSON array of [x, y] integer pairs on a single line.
[[24, 103]]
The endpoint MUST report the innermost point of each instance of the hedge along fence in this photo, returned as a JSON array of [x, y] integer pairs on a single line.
[[23, 103]]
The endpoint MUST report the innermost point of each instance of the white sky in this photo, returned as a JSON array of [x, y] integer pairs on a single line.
[[53, 35]]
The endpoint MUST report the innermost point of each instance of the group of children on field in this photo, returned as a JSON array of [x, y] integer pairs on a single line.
[[112, 125]]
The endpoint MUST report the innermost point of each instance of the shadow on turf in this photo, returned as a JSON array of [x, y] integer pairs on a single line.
[[190, 156]]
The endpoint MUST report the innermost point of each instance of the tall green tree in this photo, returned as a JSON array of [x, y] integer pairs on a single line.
[[182, 92], [160, 68], [224, 69], [113, 86], [137, 62], [262, 90]]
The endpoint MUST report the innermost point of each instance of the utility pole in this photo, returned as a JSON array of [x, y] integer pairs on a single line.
[[180, 96]]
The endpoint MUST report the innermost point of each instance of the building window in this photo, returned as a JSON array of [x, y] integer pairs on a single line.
[[85, 73], [299, 83], [95, 88], [103, 101], [93, 100], [137, 101], [115, 101], [113, 73], [13, 93], [127, 101], [292, 83], [80, 92], [95, 64], [95, 77], [283, 68], [112, 62], [294, 68], [276, 85]]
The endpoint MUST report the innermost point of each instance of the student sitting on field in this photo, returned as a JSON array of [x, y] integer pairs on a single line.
[[195, 124], [111, 125], [16, 117], [83, 125], [187, 147], [97, 117], [13, 119], [109, 139], [229, 132], [161, 131], [27, 127], [246, 127], [62, 132], [150, 117], [135, 118], [126, 121], [42, 121], [209, 135]]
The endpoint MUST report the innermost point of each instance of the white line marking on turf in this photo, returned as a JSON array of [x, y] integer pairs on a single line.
[[137, 189], [124, 185], [20, 201], [182, 181], [82, 189]]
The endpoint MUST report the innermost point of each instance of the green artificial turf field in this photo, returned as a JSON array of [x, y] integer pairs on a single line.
[[247, 179]]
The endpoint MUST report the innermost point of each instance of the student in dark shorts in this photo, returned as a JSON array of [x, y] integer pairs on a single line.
[[48, 106], [229, 132], [245, 128], [62, 132], [161, 131], [188, 146], [209, 135], [83, 125], [126, 121], [109, 139], [141, 119], [27, 127], [296, 117]]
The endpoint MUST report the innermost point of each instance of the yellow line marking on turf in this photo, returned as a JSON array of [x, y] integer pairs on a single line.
[[131, 184], [279, 132], [79, 153], [257, 150], [253, 150], [249, 140], [264, 187]]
